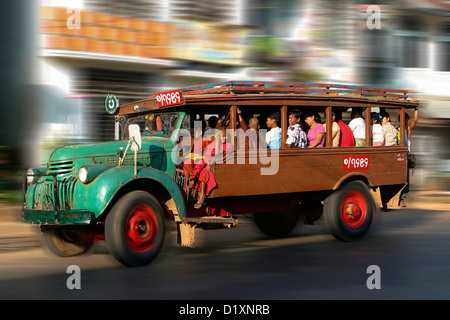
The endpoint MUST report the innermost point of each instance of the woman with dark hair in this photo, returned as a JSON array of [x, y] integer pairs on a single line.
[[390, 133], [316, 132], [376, 130]]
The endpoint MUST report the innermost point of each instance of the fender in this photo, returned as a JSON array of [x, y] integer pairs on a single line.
[[97, 195], [353, 176]]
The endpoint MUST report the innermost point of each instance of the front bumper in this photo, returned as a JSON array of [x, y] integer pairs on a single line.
[[80, 217]]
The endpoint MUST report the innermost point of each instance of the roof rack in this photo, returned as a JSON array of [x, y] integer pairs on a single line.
[[303, 88]]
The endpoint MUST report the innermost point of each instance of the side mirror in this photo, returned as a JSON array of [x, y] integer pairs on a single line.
[[135, 136]]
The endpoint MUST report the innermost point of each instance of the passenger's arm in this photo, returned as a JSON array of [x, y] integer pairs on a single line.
[[242, 123], [413, 123]]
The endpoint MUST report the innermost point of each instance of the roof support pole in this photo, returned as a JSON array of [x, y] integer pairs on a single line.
[[368, 121], [284, 125], [329, 125]]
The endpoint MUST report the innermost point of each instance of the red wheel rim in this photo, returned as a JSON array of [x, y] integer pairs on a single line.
[[354, 209], [141, 228]]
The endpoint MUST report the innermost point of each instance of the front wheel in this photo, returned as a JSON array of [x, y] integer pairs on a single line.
[[68, 241], [135, 229], [349, 211]]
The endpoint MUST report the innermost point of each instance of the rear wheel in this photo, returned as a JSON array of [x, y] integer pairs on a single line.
[[349, 211], [277, 223], [135, 229]]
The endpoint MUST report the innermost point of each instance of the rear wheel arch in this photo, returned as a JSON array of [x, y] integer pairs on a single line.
[[353, 177]]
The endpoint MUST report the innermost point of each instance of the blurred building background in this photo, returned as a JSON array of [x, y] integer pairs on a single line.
[[60, 58]]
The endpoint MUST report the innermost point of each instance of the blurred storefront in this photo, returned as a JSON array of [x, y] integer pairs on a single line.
[[129, 49], [422, 54]]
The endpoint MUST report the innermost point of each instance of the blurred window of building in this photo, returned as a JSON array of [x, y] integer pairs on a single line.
[[415, 51], [227, 11], [143, 9], [442, 53]]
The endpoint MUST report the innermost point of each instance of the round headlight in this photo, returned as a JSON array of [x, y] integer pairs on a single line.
[[30, 176], [83, 174]]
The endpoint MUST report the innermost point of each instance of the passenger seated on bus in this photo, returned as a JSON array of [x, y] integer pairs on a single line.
[[254, 136], [212, 122], [358, 127], [376, 130], [296, 136], [150, 125], [390, 133], [346, 138], [206, 182], [273, 137], [335, 131], [316, 132], [198, 145]]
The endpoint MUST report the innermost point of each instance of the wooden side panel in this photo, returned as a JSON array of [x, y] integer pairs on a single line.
[[304, 170]]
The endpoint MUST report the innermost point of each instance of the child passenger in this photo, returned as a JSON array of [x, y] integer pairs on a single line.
[[273, 137], [296, 136]]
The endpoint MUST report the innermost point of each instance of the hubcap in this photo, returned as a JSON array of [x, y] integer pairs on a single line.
[[141, 228], [354, 209]]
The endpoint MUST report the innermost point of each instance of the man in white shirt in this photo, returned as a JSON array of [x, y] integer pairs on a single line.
[[358, 126]]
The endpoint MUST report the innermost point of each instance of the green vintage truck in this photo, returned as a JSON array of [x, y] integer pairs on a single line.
[[128, 191]]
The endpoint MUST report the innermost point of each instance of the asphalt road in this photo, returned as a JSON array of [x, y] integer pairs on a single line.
[[409, 248]]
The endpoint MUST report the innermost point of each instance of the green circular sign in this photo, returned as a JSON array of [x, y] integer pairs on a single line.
[[111, 103]]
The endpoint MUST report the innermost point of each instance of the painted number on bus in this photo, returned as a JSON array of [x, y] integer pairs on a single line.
[[171, 98], [356, 163]]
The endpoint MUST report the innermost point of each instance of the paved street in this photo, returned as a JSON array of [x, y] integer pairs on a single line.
[[409, 246]]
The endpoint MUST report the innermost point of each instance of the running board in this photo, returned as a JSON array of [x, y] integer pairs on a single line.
[[186, 228], [206, 221]]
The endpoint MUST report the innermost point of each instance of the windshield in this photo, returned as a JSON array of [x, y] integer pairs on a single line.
[[154, 124]]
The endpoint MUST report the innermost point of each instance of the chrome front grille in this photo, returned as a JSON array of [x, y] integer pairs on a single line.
[[60, 167], [66, 191], [48, 197]]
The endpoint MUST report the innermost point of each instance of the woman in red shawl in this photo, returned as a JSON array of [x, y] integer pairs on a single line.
[[206, 182], [195, 158]]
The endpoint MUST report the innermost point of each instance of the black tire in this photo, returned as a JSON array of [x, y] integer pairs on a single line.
[[68, 241], [135, 229], [277, 223], [349, 211]]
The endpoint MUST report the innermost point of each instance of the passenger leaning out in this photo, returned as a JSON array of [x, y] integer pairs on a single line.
[[358, 126], [316, 132], [206, 181], [296, 137], [195, 157]]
